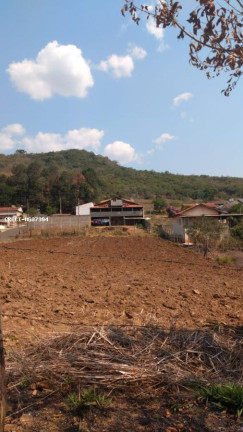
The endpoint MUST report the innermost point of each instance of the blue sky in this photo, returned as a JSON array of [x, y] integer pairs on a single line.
[[76, 74]]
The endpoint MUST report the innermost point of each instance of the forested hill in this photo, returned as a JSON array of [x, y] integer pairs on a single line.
[[41, 179]]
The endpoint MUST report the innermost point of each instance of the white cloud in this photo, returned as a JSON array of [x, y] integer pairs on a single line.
[[185, 116], [6, 142], [57, 69], [83, 138], [136, 52], [120, 66], [43, 142], [7, 134], [157, 32], [121, 152], [151, 151], [164, 137], [14, 129], [182, 98]]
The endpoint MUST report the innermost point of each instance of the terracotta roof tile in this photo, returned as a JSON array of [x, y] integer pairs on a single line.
[[9, 209]]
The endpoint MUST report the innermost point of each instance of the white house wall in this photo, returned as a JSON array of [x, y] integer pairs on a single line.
[[178, 229], [182, 222], [200, 211], [84, 209]]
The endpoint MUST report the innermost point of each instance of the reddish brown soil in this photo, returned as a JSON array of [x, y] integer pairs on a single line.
[[114, 281], [119, 280]]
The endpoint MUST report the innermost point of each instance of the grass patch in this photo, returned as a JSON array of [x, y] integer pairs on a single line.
[[11, 337], [224, 260], [226, 397], [24, 383], [75, 402]]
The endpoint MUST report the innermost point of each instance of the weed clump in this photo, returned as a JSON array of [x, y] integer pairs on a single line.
[[224, 260], [229, 397], [76, 402]]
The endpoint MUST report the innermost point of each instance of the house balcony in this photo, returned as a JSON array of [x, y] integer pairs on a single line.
[[103, 213]]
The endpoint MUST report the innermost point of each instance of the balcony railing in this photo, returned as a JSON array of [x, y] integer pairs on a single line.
[[113, 212]]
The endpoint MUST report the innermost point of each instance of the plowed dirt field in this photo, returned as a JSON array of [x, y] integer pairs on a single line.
[[50, 286], [119, 280]]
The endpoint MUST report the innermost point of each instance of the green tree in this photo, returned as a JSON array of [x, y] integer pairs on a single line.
[[237, 231], [159, 204], [32, 212], [92, 177], [87, 193], [19, 181], [6, 194], [214, 30], [35, 183], [20, 152], [205, 232], [208, 193], [236, 208], [50, 210]]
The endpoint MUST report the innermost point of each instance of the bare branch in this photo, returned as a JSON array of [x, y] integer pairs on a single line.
[[216, 33]]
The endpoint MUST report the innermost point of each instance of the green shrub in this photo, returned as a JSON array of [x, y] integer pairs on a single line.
[[224, 260], [45, 233], [237, 231], [32, 212], [93, 397], [69, 233], [74, 403], [229, 397], [50, 210]]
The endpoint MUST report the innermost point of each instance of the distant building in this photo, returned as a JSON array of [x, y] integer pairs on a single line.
[[10, 215], [184, 219], [116, 211], [84, 209]]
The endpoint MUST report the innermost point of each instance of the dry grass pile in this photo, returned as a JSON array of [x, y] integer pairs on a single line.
[[115, 356]]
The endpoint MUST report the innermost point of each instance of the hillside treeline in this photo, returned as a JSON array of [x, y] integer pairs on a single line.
[[43, 180]]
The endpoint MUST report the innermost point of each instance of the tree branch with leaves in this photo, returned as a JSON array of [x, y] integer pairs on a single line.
[[205, 232], [214, 29]]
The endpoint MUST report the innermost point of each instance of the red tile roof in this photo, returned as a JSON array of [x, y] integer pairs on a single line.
[[9, 209], [123, 205], [195, 205], [211, 205], [126, 203]]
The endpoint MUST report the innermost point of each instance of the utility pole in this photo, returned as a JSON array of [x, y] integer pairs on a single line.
[[60, 203], [2, 378]]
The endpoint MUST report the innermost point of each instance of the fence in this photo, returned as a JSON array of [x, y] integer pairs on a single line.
[[61, 222], [166, 231], [147, 225]]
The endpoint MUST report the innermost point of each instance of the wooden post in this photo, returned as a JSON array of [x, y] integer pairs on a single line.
[[2, 378]]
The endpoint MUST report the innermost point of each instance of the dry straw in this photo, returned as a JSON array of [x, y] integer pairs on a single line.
[[114, 356]]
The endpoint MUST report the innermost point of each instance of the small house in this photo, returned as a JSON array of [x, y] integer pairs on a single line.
[[9, 216], [185, 218]]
